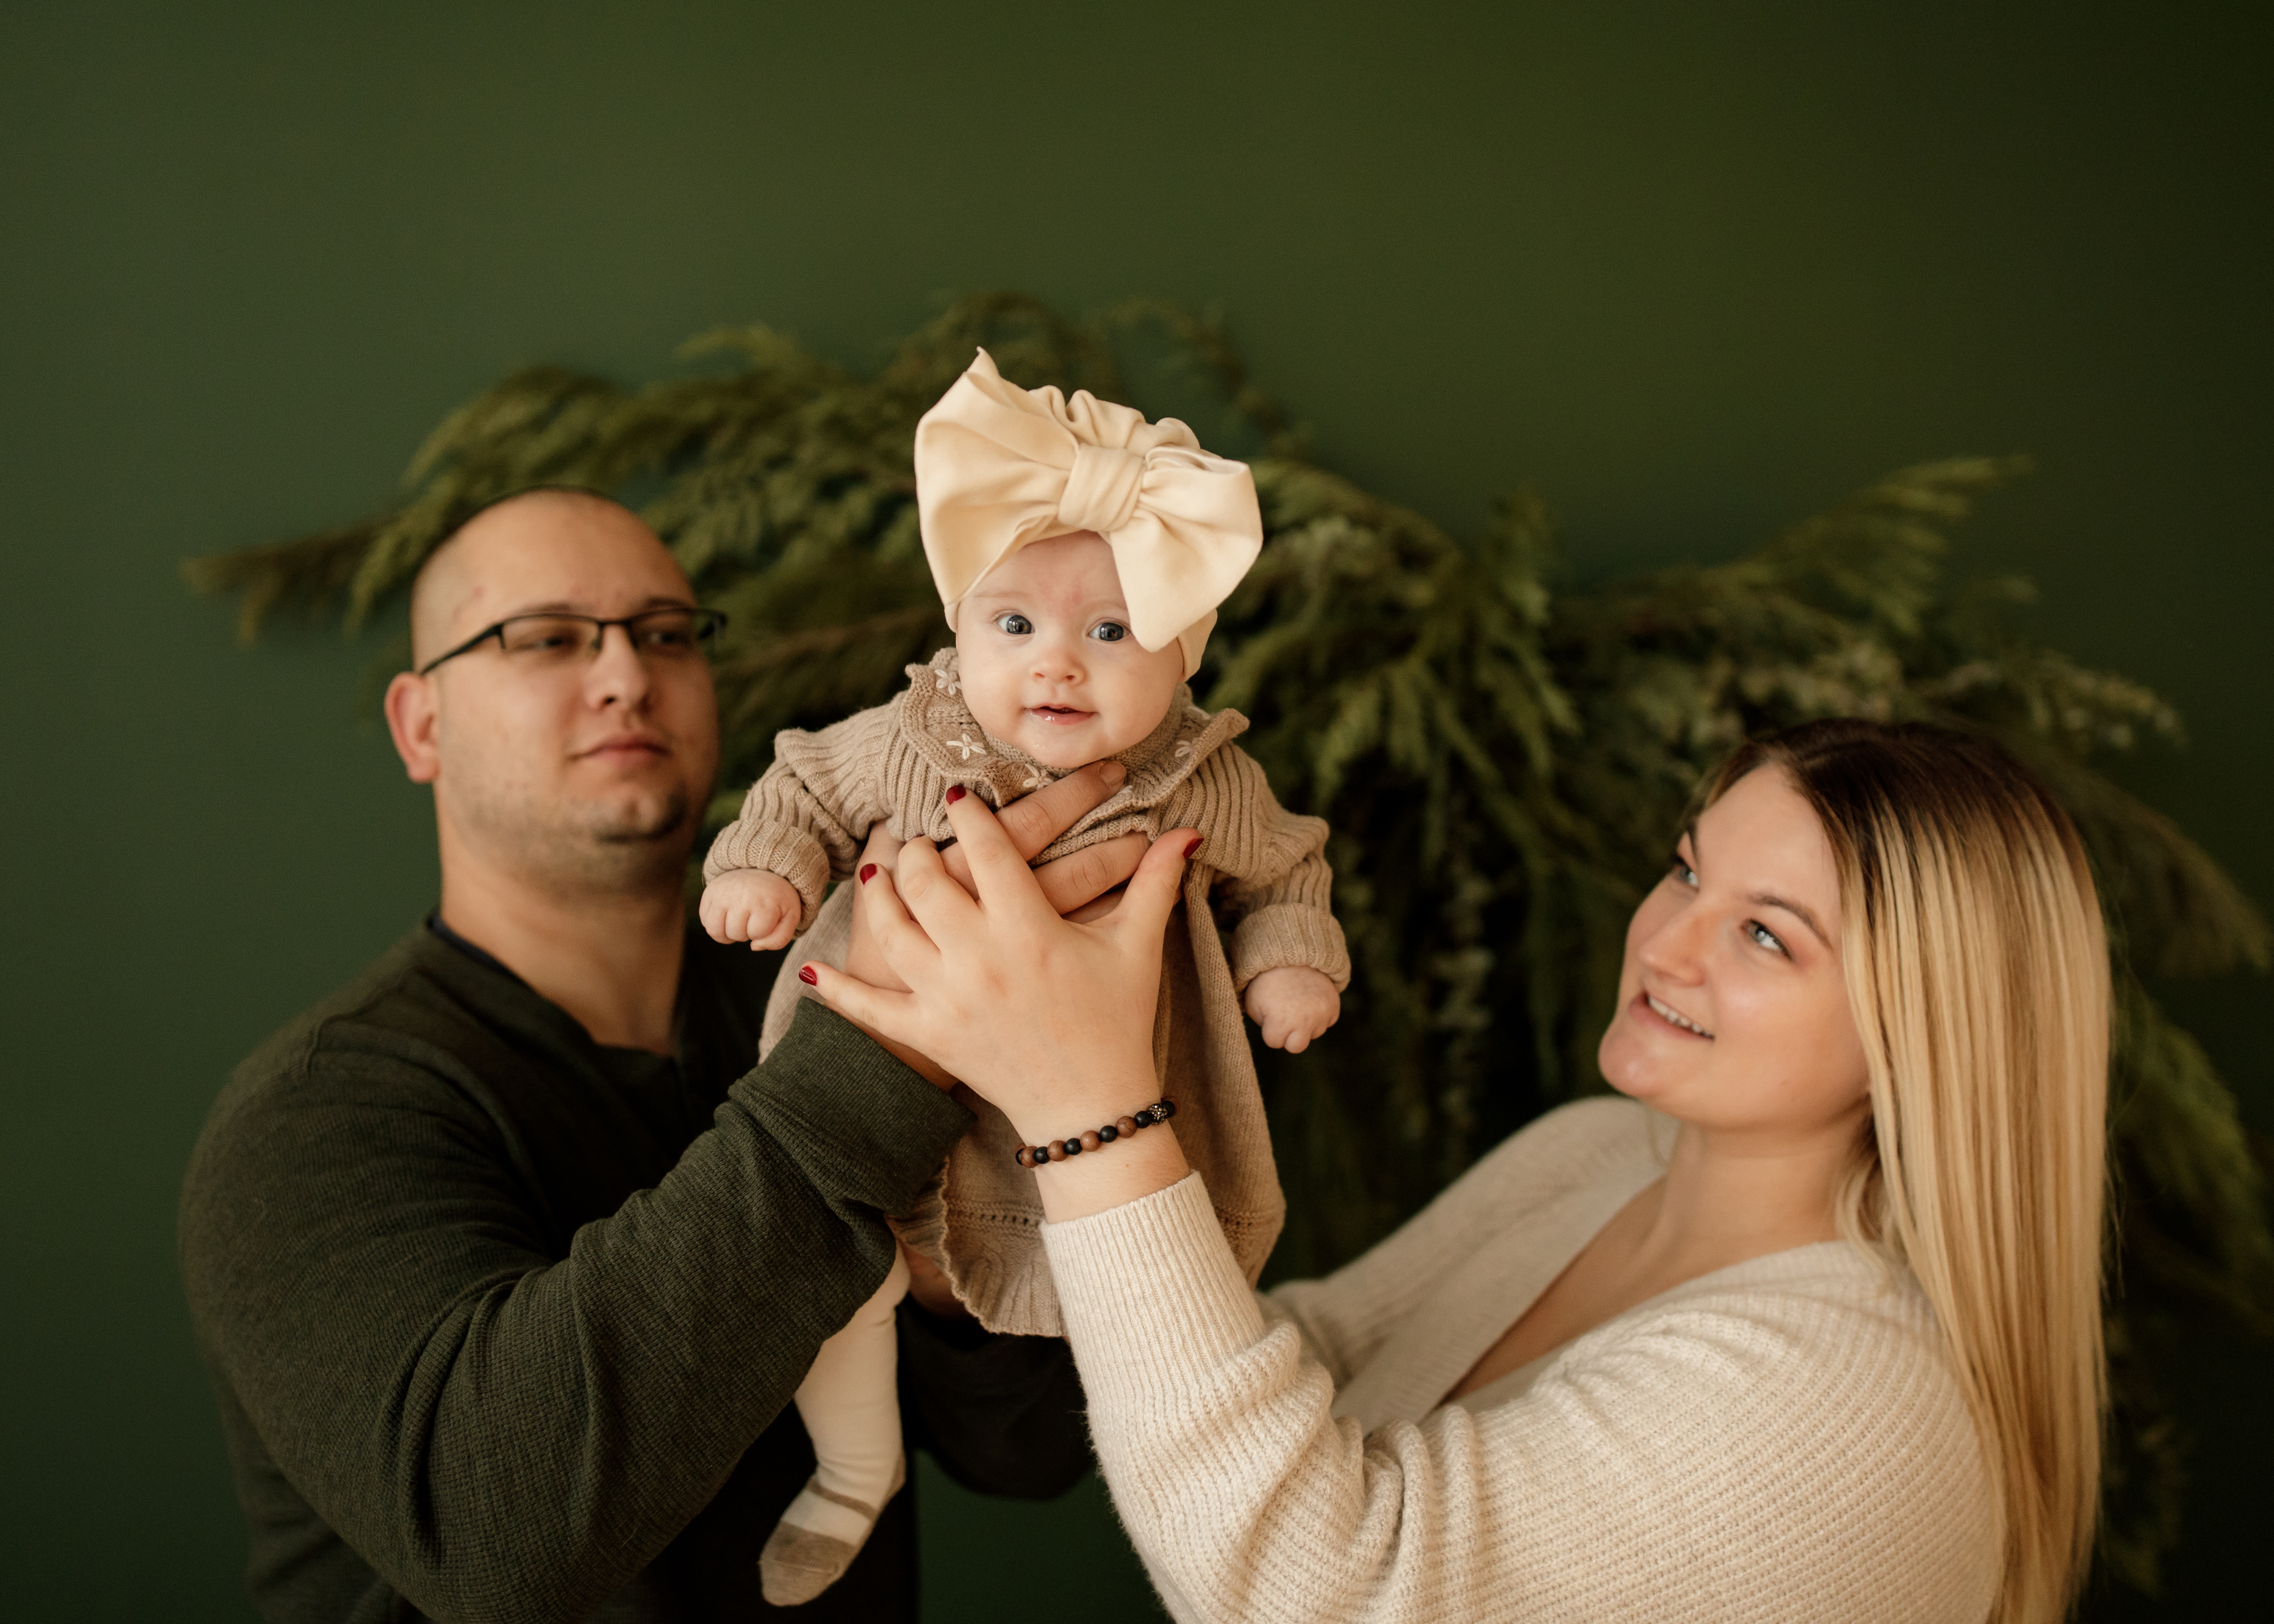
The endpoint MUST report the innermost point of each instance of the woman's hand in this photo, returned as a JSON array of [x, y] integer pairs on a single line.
[[1083, 886], [1049, 1019]]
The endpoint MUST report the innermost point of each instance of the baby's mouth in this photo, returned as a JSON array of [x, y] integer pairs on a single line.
[[1059, 715]]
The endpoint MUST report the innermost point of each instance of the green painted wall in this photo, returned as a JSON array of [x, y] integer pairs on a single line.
[[1691, 269]]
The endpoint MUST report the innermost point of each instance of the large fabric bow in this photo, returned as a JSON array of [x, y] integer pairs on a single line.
[[999, 467]]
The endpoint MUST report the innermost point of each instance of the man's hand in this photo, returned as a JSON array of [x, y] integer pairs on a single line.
[[753, 906], [1084, 879], [929, 1286], [1049, 1021], [1081, 886], [1293, 1004]]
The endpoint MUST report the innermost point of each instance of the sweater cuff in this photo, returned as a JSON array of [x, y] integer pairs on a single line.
[[1153, 1271], [781, 849], [865, 1126], [1289, 934]]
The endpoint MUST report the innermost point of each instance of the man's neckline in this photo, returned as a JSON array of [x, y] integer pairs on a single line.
[[488, 960], [479, 955]]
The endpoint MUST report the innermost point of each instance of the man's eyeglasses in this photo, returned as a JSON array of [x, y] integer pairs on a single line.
[[543, 641]]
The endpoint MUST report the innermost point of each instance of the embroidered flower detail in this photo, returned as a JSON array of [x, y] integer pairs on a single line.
[[1183, 749], [948, 683], [969, 745], [1035, 779]]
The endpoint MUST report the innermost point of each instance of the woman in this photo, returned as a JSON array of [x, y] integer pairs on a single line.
[[1807, 1326]]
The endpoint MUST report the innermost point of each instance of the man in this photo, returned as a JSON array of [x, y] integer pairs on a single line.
[[505, 1270]]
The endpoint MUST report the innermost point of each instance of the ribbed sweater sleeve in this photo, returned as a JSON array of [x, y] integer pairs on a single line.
[[1778, 1452], [1285, 923], [808, 813], [500, 1434], [1276, 893]]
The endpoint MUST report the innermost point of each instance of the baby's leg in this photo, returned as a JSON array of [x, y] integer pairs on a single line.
[[851, 1407]]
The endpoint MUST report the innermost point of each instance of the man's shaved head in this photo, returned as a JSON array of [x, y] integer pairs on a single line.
[[585, 777], [448, 585]]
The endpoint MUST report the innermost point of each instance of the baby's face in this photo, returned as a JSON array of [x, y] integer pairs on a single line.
[[1048, 661]]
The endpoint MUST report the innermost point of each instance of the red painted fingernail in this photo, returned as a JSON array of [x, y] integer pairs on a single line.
[[805, 973], [954, 794], [868, 873], [1192, 844]]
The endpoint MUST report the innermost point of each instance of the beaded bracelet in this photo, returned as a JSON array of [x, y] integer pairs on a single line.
[[1058, 1150]]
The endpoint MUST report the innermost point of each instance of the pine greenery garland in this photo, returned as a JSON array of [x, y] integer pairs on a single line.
[[1502, 765]]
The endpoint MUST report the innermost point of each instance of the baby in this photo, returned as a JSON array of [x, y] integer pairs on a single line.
[[1080, 553]]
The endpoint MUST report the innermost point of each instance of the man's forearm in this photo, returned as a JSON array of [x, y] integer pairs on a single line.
[[503, 1434]]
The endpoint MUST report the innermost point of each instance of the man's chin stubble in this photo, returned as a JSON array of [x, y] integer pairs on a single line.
[[631, 827], [634, 848], [612, 850]]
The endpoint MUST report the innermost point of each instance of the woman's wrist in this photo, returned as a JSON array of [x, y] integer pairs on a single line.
[[1132, 1165], [1127, 1170], [1071, 1100]]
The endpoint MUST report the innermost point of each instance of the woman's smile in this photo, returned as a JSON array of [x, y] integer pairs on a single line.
[[1673, 1017], [1734, 1000]]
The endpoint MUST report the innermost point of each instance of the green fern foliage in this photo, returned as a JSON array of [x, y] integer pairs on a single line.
[[1503, 764]]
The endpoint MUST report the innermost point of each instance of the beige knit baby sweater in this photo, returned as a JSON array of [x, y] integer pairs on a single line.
[[1781, 1440], [1260, 873]]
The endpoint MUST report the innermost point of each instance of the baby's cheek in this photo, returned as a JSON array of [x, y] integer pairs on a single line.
[[1139, 699], [990, 689]]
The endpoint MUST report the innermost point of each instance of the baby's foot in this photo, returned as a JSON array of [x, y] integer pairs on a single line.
[[817, 1538]]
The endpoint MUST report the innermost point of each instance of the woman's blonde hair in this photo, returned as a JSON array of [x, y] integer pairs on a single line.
[[1977, 969]]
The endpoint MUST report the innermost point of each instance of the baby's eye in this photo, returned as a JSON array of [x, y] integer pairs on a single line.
[[1681, 872], [1763, 935], [1013, 625], [1109, 631]]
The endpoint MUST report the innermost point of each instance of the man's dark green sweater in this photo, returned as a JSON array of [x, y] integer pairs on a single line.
[[505, 1324]]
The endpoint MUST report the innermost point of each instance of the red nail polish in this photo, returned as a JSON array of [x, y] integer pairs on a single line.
[[1192, 844], [805, 973], [868, 873], [954, 794]]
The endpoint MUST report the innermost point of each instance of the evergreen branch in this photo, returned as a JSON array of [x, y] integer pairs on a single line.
[[1208, 349], [310, 572], [1501, 766]]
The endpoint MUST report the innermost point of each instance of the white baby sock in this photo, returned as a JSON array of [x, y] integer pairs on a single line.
[[851, 1407]]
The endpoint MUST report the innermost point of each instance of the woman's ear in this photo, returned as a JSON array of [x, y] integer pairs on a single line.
[[410, 720]]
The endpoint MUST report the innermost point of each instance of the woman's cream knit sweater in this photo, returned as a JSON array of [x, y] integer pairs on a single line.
[[1780, 1439]]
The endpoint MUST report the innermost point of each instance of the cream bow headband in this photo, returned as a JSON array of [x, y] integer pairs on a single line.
[[999, 467]]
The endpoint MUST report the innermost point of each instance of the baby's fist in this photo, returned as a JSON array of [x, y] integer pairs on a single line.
[[1293, 1004], [751, 905]]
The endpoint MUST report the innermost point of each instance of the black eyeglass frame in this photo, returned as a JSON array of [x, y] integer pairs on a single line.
[[708, 624]]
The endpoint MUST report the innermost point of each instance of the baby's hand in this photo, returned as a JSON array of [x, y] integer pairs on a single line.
[[1293, 1004], [751, 905]]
